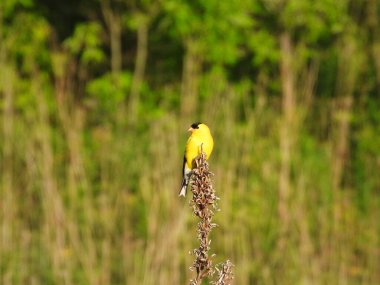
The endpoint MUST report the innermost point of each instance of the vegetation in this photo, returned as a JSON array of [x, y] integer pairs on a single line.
[[204, 204], [95, 100]]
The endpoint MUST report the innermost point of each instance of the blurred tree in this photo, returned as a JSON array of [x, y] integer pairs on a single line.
[[93, 92]]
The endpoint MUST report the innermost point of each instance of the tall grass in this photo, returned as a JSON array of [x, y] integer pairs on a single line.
[[89, 197], [85, 203]]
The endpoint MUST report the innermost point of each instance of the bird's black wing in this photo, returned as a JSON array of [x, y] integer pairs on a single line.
[[183, 171]]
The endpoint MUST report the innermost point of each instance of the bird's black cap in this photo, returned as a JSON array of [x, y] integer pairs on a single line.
[[196, 125]]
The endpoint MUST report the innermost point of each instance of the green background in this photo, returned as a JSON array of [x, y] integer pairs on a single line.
[[95, 100]]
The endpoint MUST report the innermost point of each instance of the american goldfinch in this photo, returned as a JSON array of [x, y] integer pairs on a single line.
[[200, 138]]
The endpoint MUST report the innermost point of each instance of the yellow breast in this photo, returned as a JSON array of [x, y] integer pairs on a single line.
[[195, 143]]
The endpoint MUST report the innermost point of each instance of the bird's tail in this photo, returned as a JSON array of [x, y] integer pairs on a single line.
[[183, 191], [186, 172], [184, 183]]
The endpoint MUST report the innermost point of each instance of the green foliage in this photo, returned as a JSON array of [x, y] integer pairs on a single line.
[[8, 7], [264, 46], [366, 145], [86, 42], [110, 90], [316, 21], [86, 197], [200, 23], [27, 41]]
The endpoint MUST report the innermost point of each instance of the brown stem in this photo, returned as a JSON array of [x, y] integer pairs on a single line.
[[138, 75], [190, 81], [113, 22], [203, 201], [288, 109]]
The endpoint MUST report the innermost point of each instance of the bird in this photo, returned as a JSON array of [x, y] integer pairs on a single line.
[[199, 140]]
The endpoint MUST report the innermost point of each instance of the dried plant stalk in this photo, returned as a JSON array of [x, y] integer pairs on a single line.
[[204, 203], [225, 274]]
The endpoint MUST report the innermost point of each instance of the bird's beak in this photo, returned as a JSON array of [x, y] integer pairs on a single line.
[[190, 130]]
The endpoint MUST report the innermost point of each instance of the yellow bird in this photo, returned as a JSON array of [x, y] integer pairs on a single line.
[[200, 138]]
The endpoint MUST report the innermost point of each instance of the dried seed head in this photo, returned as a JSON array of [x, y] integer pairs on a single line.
[[203, 202], [225, 275]]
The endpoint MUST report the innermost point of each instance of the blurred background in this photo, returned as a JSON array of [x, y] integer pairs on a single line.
[[96, 97]]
